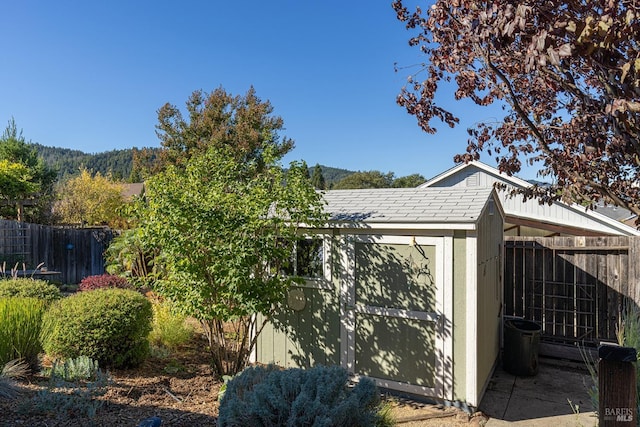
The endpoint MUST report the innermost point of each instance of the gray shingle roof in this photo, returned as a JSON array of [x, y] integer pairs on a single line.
[[614, 212], [407, 205]]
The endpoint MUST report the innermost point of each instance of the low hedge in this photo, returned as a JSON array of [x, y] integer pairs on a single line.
[[29, 288], [107, 325]]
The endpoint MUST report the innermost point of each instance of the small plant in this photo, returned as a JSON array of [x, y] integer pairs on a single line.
[[79, 368], [320, 396], [169, 329], [73, 398], [20, 327], [592, 367], [30, 288], [108, 325], [158, 352], [15, 271], [103, 281], [173, 367], [223, 388], [12, 370]]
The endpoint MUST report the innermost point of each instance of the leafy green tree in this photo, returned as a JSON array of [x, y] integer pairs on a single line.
[[567, 74], [90, 200], [244, 125], [409, 181], [221, 227], [317, 178], [27, 181], [369, 179], [16, 180]]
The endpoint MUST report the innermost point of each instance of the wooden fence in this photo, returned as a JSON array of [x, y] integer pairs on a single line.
[[75, 252], [574, 287]]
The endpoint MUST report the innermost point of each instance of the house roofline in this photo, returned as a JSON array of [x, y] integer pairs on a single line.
[[517, 182], [355, 225], [520, 183]]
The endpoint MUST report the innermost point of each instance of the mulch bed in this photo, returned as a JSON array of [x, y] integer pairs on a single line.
[[180, 389]]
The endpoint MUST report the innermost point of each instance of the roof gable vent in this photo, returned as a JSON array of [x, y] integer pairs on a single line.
[[472, 180]]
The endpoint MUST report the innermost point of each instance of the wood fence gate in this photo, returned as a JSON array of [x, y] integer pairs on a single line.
[[75, 252], [574, 287]]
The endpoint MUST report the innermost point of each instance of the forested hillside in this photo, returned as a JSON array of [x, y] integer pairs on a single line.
[[119, 163], [332, 175]]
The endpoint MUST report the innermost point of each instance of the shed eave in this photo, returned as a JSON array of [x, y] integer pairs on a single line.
[[404, 225]]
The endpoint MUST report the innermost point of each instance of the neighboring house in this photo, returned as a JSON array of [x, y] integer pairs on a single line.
[[129, 191], [403, 286], [617, 213], [530, 218]]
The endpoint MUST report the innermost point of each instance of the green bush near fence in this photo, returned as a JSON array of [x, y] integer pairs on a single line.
[[107, 325], [20, 326], [29, 288]]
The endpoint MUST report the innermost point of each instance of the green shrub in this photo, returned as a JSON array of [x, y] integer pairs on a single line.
[[31, 288], [169, 329], [319, 396], [107, 325], [20, 326]]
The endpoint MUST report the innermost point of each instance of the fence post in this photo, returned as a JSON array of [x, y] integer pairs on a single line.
[[617, 386]]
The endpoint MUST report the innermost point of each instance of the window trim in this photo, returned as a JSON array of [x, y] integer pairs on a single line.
[[324, 281]]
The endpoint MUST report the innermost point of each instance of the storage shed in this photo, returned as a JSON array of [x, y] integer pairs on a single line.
[[403, 286]]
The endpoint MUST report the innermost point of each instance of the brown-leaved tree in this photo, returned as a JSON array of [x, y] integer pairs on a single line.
[[568, 74]]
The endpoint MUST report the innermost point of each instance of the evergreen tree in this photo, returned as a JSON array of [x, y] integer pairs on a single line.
[[317, 179]]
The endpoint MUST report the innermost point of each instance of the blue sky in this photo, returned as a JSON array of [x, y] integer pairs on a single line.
[[92, 75]]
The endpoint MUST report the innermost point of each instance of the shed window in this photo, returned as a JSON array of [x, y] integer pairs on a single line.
[[307, 259]]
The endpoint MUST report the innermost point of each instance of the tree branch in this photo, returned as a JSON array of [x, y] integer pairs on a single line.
[[605, 190]]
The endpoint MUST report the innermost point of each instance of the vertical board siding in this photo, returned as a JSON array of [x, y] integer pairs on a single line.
[[574, 287], [76, 253], [489, 297], [303, 338]]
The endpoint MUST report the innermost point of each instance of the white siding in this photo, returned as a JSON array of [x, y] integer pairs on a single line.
[[477, 175]]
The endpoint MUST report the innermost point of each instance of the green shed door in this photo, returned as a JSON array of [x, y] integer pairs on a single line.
[[392, 305]]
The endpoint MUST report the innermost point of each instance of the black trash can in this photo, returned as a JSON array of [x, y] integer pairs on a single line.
[[521, 344]]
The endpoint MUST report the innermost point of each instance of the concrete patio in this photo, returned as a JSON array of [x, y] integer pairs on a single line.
[[541, 400]]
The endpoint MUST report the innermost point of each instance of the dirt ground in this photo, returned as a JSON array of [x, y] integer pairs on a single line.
[[415, 414], [182, 391]]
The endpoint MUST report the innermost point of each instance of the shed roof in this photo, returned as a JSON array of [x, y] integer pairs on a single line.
[[557, 217], [407, 205]]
